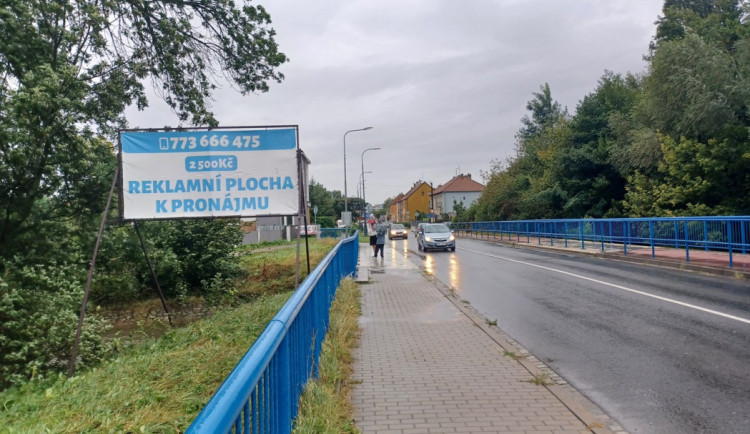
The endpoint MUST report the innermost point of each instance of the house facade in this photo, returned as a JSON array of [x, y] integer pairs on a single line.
[[415, 202], [393, 208], [461, 189]]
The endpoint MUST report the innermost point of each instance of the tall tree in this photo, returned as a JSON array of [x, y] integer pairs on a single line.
[[587, 173], [544, 113], [696, 101], [69, 70], [719, 21], [321, 198]]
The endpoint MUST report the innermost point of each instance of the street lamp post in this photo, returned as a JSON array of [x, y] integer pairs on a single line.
[[359, 183], [346, 206], [364, 201], [364, 204]]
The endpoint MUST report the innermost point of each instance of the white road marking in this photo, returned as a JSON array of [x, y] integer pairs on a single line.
[[624, 288]]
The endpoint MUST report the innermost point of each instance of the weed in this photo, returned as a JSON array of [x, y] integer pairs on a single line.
[[540, 379], [491, 323], [512, 355]]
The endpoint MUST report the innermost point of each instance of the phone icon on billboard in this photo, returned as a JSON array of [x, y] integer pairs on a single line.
[[164, 144]]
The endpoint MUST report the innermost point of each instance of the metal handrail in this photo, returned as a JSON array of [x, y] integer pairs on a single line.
[[713, 233], [262, 392]]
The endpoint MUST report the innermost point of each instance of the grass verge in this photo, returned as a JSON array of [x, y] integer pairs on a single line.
[[160, 385], [325, 406]]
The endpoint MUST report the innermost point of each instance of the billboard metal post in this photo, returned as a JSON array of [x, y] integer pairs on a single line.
[[301, 216], [90, 276], [153, 273]]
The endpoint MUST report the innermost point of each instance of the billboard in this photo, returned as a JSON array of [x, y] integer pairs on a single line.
[[208, 173]]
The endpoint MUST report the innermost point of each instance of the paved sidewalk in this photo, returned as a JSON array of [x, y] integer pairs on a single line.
[[426, 363]]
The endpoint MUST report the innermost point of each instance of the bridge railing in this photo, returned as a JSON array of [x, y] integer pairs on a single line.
[[730, 234], [333, 232], [262, 393]]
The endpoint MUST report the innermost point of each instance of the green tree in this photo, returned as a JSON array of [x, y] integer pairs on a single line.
[[525, 186], [326, 222], [694, 179], [694, 108], [587, 172], [719, 21], [69, 70], [321, 198], [386, 205], [545, 112], [696, 89]]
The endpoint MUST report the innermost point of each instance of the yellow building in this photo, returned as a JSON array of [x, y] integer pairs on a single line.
[[393, 214], [415, 203]]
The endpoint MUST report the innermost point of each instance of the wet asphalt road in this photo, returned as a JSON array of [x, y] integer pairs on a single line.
[[675, 364]]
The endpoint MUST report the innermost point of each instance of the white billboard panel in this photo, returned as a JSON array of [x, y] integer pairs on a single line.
[[216, 173]]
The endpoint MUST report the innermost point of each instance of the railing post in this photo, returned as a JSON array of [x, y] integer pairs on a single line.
[[580, 233], [566, 233], [538, 234], [593, 230], [742, 236], [729, 239], [687, 243], [676, 235], [651, 236], [528, 237], [601, 229], [627, 226], [553, 233], [286, 395], [705, 232]]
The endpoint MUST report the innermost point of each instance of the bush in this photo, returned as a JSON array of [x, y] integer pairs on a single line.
[[326, 222], [190, 257], [39, 308]]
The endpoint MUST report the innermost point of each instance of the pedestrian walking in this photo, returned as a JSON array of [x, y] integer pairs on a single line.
[[381, 229], [372, 234]]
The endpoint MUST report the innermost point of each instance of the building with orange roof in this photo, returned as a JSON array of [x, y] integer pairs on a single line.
[[460, 190], [393, 208], [414, 203]]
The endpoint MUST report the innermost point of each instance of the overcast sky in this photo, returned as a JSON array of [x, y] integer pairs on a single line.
[[444, 84]]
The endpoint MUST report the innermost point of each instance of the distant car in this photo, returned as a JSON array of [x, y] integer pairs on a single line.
[[435, 236], [397, 231]]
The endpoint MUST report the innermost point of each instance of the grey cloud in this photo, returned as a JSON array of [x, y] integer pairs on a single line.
[[445, 84]]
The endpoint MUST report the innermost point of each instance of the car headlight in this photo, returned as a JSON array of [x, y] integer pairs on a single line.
[[393, 232], [452, 238], [428, 238]]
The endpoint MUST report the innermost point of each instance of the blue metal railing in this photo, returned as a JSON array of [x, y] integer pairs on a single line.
[[261, 394], [730, 234], [333, 232]]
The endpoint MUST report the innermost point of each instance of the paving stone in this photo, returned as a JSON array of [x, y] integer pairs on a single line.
[[423, 366]]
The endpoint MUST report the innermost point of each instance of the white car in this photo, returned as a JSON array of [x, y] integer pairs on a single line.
[[397, 231], [435, 236]]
